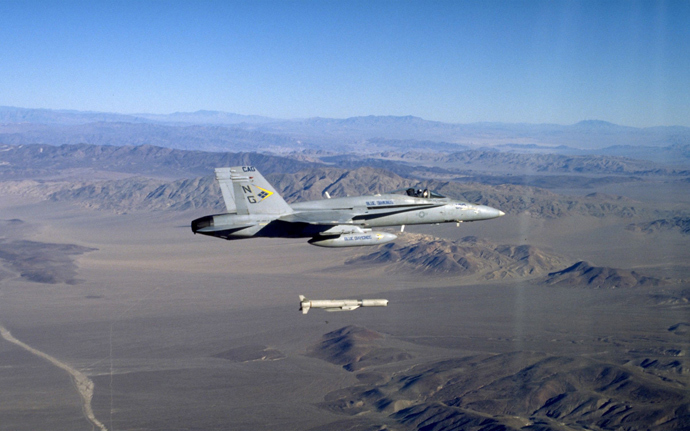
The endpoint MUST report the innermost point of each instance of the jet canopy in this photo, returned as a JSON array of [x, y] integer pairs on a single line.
[[423, 193]]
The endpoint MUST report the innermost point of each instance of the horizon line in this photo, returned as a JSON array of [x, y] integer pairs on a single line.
[[296, 119]]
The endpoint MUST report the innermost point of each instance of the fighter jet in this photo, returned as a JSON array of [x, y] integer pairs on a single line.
[[255, 209]]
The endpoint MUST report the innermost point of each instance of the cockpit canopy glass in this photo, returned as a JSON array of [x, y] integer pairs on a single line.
[[423, 193]]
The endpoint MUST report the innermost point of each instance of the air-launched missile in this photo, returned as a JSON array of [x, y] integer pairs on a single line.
[[353, 239], [339, 304]]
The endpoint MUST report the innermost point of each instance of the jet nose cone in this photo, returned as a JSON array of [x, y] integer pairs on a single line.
[[487, 212]]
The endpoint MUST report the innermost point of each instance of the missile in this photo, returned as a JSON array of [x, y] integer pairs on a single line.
[[339, 304], [353, 239]]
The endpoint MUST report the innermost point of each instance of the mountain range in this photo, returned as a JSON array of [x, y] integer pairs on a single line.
[[101, 177], [216, 131], [470, 256], [515, 391]]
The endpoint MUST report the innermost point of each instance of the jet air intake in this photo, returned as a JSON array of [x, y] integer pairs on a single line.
[[353, 239]]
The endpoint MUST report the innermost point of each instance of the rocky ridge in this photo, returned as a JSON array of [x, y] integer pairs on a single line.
[[677, 224], [518, 391], [584, 274], [355, 348], [469, 256]]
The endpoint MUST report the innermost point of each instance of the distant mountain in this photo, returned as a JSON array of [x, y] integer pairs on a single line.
[[9, 114], [143, 194], [313, 183], [584, 135], [296, 178], [220, 130], [44, 161], [583, 274], [551, 163], [12, 115], [176, 180], [149, 194], [188, 137], [540, 203], [154, 191], [382, 144], [550, 171], [598, 125], [470, 256], [679, 224], [674, 153], [207, 117]]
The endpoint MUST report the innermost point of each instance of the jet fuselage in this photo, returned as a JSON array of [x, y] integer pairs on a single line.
[[259, 211]]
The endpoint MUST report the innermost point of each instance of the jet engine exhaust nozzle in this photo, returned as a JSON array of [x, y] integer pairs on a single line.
[[201, 223]]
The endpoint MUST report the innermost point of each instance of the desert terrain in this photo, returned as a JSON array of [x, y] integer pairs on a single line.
[[572, 312]]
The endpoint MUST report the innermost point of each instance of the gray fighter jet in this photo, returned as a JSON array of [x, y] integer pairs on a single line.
[[255, 209]]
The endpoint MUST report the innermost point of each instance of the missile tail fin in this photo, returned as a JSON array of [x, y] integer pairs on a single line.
[[304, 304]]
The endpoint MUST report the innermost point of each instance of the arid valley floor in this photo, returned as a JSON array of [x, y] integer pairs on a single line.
[[574, 322]]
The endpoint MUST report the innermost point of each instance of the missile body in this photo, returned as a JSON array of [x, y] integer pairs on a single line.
[[339, 304], [353, 239]]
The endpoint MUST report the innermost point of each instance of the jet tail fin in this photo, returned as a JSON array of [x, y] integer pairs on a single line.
[[253, 194], [223, 176]]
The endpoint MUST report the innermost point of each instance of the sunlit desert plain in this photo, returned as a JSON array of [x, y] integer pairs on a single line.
[[571, 312]]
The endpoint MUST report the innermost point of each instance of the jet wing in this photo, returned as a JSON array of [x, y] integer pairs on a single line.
[[322, 217]]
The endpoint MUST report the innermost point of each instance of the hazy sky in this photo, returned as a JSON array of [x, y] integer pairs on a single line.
[[626, 62]]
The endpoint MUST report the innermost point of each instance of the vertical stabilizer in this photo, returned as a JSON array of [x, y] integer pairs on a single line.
[[225, 183], [254, 195]]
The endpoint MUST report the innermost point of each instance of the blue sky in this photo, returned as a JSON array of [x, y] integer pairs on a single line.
[[459, 61]]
